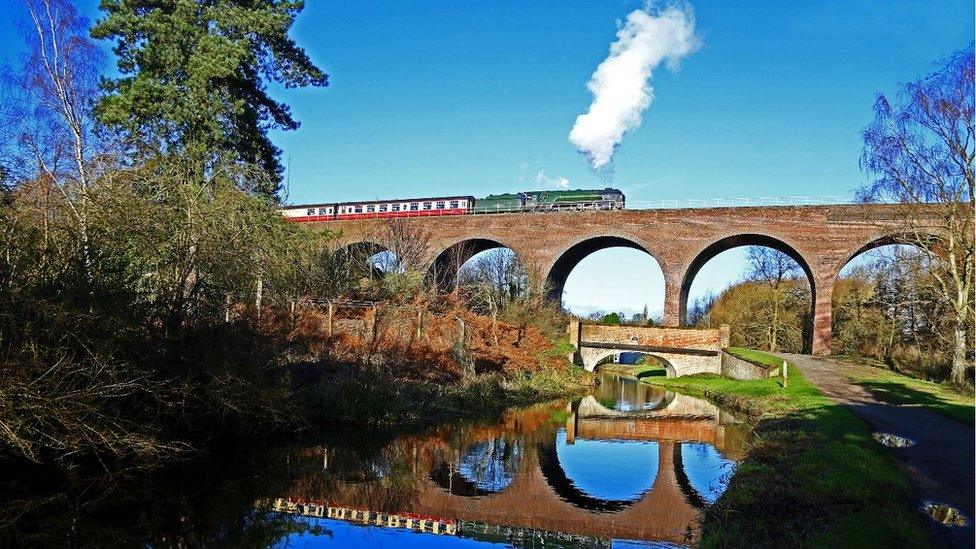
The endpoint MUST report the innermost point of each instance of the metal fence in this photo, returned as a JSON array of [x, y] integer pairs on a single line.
[[746, 202]]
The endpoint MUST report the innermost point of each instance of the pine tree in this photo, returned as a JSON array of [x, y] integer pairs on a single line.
[[194, 77]]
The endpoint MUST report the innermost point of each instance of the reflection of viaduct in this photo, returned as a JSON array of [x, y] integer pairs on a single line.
[[820, 238], [542, 497]]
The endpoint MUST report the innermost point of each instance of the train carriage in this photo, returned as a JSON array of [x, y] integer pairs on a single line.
[[528, 201], [410, 207]]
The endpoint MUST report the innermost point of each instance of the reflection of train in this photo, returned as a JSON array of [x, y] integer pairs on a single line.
[[530, 201]]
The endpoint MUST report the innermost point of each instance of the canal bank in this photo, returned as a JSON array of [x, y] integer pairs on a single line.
[[813, 474], [369, 399]]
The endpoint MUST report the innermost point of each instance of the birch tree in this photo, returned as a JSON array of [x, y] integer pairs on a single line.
[[920, 152]]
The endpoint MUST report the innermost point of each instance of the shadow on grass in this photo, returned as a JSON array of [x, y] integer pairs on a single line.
[[897, 393], [652, 373], [800, 486]]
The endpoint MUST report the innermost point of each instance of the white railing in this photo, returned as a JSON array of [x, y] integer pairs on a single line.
[[819, 200]]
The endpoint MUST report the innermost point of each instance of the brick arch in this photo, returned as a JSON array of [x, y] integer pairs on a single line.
[[358, 252], [883, 239], [443, 270], [709, 252], [565, 261]]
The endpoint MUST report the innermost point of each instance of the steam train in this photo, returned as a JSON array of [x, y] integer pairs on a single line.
[[528, 201]]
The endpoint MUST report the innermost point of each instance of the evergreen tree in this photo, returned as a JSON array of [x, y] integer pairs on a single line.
[[193, 78]]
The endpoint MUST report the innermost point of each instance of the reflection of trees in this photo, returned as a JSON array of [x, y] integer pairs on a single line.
[[492, 464], [628, 394], [484, 467]]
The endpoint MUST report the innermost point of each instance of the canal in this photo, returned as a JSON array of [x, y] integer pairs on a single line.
[[630, 465]]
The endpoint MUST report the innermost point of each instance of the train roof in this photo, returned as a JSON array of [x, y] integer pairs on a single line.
[[383, 201], [556, 192]]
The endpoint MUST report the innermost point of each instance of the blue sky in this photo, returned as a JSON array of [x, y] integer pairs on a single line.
[[430, 98]]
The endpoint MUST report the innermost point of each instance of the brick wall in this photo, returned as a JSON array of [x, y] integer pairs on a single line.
[[686, 338]]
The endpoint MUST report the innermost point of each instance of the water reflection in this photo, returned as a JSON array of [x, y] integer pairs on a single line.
[[583, 473]]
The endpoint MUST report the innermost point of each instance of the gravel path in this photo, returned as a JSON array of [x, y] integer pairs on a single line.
[[941, 462]]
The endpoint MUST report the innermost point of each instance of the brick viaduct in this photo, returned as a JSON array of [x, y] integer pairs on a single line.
[[822, 239]]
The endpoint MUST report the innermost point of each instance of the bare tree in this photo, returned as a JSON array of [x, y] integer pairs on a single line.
[[776, 270], [921, 154], [497, 272], [50, 106], [408, 241]]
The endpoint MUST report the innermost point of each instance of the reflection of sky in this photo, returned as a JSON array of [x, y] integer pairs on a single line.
[[491, 464], [627, 543], [609, 470], [705, 468], [355, 536], [352, 536]]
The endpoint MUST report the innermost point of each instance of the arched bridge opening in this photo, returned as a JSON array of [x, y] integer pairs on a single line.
[[754, 240], [627, 273]]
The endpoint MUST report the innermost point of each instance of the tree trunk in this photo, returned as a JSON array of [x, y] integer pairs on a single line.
[[958, 374], [258, 295]]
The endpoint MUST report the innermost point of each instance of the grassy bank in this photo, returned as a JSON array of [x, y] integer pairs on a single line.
[[378, 400], [889, 386], [640, 371], [813, 474]]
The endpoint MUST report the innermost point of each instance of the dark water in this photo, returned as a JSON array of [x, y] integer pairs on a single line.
[[629, 466]]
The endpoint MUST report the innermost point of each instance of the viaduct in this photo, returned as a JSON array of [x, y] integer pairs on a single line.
[[822, 239]]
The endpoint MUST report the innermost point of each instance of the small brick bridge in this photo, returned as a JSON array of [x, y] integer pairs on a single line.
[[683, 351], [821, 239]]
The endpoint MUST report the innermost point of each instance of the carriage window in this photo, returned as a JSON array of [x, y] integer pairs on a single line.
[[311, 211], [396, 207], [413, 206], [370, 208], [321, 211], [359, 209], [454, 204], [382, 207], [440, 205], [426, 205]]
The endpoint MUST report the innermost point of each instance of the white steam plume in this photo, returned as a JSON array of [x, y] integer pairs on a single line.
[[559, 181], [621, 85]]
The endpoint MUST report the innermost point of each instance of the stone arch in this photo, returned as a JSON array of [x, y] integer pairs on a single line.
[[590, 362], [737, 241], [443, 270], [568, 259]]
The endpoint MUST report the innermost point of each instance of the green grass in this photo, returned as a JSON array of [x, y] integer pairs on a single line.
[[640, 371], [652, 369], [895, 388], [758, 358], [813, 475]]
